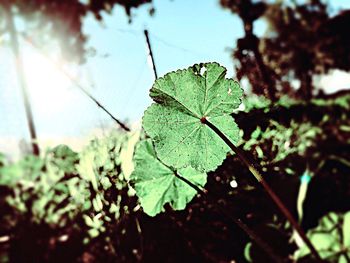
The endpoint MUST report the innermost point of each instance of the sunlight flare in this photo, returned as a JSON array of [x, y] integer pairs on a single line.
[[49, 89]]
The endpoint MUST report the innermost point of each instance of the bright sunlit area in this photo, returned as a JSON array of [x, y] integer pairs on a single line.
[[49, 88]]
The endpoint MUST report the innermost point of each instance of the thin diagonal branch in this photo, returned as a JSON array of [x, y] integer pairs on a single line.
[[267, 188], [78, 85]]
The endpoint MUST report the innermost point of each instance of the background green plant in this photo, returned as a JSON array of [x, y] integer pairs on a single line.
[[200, 232], [66, 195], [331, 237]]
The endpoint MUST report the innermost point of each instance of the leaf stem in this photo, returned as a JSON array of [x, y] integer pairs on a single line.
[[267, 188], [261, 243]]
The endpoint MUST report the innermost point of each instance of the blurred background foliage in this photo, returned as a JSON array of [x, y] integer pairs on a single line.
[[62, 20], [78, 207], [302, 40], [68, 199]]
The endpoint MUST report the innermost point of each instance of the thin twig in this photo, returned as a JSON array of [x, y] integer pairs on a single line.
[[151, 54], [76, 83]]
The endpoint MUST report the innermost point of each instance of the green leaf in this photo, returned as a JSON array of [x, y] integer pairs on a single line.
[[156, 184], [3, 161], [182, 99], [324, 241], [342, 259], [86, 168], [346, 230], [93, 232], [326, 238], [247, 252], [64, 158]]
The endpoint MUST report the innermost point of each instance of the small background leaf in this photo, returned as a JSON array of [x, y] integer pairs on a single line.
[[326, 238], [346, 230]]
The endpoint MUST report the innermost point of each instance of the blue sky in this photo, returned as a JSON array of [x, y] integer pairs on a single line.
[[182, 33]]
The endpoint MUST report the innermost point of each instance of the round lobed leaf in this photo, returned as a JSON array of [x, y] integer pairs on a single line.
[[156, 184], [175, 122]]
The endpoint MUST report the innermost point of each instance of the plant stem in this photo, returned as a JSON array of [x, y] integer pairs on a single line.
[[22, 82], [261, 243], [267, 188], [150, 53]]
